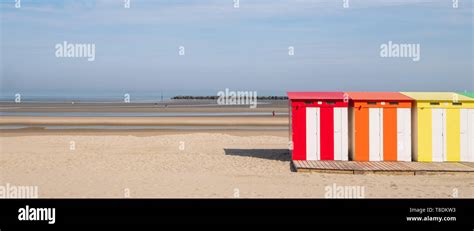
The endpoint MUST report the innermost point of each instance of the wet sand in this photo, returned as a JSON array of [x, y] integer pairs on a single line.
[[171, 106], [160, 121]]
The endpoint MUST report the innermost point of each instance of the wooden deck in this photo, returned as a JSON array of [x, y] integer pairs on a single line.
[[396, 168]]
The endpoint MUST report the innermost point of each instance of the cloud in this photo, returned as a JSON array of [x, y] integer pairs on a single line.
[[175, 12], [251, 42]]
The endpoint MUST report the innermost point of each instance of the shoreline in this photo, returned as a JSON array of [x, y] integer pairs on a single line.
[[175, 106], [136, 132], [144, 121]]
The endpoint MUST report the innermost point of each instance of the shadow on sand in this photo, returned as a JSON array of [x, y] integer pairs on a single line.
[[269, 154]]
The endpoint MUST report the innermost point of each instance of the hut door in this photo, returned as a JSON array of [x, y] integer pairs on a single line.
[[438, 134], [340, 134], [471, 134], [375, 134], [403, 134], [337, 133], [466, 135], [312, 133]]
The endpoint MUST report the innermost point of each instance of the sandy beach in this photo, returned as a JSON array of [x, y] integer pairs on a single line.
[[187, 164], [204, 156]]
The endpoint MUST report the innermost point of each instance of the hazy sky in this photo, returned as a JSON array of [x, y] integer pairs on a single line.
[[243, 48]]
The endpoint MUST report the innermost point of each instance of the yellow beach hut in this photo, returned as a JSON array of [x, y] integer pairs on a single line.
[[442, 127]]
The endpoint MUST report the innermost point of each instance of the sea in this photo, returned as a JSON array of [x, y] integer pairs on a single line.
[[115, 96]]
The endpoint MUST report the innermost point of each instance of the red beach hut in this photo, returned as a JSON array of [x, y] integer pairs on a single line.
[[318, 125]]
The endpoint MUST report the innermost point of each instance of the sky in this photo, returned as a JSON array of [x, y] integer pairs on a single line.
[[244, 48]]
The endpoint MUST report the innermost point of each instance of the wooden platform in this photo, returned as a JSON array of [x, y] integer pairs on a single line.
[[396, 168]]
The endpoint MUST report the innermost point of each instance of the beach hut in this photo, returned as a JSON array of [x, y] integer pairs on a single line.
[[443, 127], [468, 94], [318, 125], [379, 126]]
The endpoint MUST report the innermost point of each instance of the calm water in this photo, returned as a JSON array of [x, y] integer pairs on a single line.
[[112, 96]]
